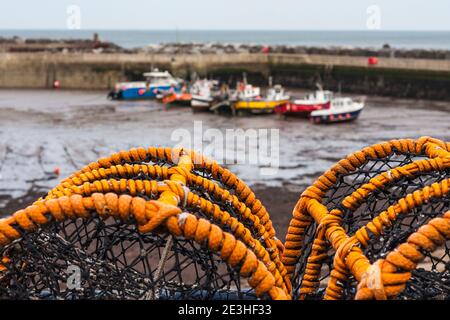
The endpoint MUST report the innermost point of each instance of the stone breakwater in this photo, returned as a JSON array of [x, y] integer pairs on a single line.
[[221, 48], [17, 44], [416, 78]]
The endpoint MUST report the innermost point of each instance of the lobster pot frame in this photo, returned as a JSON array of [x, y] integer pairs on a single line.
[[144, 224], [162, 223], [359, 212]]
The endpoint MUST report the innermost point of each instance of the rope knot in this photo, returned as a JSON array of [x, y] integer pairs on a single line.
[[329, 219], [373, 282], [158, 212]]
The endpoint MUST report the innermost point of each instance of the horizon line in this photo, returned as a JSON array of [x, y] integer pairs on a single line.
[[226, 30]]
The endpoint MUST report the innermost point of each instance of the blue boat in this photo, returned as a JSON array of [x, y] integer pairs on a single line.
[[155, 84]]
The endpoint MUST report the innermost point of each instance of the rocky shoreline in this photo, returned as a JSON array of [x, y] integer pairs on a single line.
[[17, 44]]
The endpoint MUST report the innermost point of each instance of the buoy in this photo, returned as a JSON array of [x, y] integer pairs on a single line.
[[372, 61], [57, 171]]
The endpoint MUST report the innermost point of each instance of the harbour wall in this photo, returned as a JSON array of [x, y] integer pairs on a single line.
[[397, 77]]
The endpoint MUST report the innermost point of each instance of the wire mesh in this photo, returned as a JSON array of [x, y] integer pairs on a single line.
[[431, 279], [107, 259]]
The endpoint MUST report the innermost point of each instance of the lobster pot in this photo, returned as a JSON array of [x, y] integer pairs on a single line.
[[162, 223], [378, 216], [143, 224]]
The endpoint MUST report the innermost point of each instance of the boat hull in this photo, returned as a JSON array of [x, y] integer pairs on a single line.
[[257, 106], [300, 110], [201, 103], [182, 99], [140, 93], [335, 117]]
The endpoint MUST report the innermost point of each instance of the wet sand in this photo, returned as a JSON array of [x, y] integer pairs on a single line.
[[43, 130]]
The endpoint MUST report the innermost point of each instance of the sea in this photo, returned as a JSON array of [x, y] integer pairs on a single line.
[[348, 39]]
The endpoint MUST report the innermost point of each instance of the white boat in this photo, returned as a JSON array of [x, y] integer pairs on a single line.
[[341, 109], [204, 94], [246, 92], [277, 93]]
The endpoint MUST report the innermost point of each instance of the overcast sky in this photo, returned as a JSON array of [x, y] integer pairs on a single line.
[[228, 14]]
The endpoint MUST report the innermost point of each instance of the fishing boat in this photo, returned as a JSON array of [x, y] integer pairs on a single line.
[[205, 93], [341, 109], [249, 99], [178, 97], [317, 100], [156, 82]]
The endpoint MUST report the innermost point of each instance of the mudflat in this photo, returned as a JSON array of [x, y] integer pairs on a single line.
[[43, 130]]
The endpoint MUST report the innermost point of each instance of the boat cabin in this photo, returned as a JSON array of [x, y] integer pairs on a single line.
[[249, 92], [276, 93], [320, 95], [157, 77]]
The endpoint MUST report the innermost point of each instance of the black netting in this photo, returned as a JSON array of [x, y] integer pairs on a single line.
[[108, 259], [225, 206], [97, 259], [436, 268], [431, 280]]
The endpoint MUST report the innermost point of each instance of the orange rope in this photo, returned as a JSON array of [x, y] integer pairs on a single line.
[[149, 215], [116, 186], [170, 191], [329, 230], [386, 278]]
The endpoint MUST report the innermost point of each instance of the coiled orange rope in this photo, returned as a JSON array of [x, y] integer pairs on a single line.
[[132, 187], [94, 189], [349, 258], [386, 278]]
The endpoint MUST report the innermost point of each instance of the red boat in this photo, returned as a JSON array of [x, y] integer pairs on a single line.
[[319, 100]]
